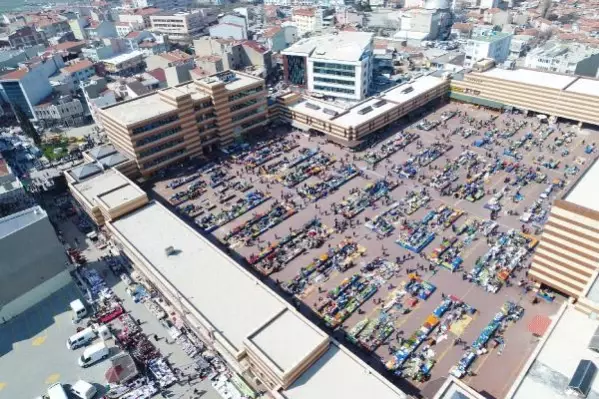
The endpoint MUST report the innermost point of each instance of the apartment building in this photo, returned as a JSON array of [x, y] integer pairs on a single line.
[[188, 120], [233, 54], [179, 26], [307, 20], [561, 96], [27, 86], [567, 58], [26, 36], [487, 45], [139, 17], [332, 65], [79, 72], [65, 110]]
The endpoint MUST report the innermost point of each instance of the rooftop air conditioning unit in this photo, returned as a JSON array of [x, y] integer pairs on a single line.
[[169, 250]]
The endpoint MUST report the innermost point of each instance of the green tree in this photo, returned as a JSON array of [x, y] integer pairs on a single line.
[[26, 125]]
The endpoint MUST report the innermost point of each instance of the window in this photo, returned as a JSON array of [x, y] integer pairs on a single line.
[[161, 147], [156, 137], [334, 81], [251, 123], [245, 93], [155, 124], [243, 115], [204, 117], [248, 103], [163, 158], [334, 89]]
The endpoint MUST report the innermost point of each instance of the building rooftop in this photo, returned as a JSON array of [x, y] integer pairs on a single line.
[[345, 46], [273, 340], [339, 374], [589, 87], [403, 93], [233, 301], [584, 191], [118, 59], [110, 187], [19, 220], [490, 36], [527, 76], [138, 109], [559, 354], [365, 111], [233, 80], [78, 66], [318, 109], [15, 75]]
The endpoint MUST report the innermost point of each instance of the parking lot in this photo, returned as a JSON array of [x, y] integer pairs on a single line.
[[33, 352], [482, 178]]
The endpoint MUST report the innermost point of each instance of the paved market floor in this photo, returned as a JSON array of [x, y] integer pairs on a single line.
[[494, 371], [33, 352]]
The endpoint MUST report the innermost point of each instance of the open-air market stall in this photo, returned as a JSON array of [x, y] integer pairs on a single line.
[[276, 255], [363, 198], [336, 258], [509, 311], [260, 223], [496, 266], [251, 200], [345, 299], [389, 147], [292, 176], [331, 181]]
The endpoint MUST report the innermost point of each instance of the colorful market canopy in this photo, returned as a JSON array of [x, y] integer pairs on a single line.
[[539, 325]]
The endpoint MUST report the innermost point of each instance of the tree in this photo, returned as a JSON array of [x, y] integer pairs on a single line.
[[26, 125]]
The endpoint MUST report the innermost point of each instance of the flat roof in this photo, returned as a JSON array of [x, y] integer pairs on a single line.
[[584, 192], [353, 118], [419, 86], [138, 109], [274, 340], [117, 59], [338, 374], [491, 36], [543, 79], [344, 46], [232, 300], [235, 80], [304, 108], [120, 196], [590, 87], [19, 220], [554, 366], [111, 186]]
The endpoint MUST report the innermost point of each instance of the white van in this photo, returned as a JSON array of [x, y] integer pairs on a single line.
[[82, 338], [84, 390], [56, 391], [93, 354], [79, 310]]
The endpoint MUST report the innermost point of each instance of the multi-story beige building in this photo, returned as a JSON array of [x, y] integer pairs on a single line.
[[349, 126], [567, 258], [186, 121], [562, 96], [181, 26]]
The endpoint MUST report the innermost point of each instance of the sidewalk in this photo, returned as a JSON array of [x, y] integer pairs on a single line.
[[149, 323]]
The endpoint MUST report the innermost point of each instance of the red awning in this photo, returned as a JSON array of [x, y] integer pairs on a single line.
[[539, 325]]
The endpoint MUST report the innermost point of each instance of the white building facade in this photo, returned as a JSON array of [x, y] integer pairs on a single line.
[[338, 66], [493, 45]]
